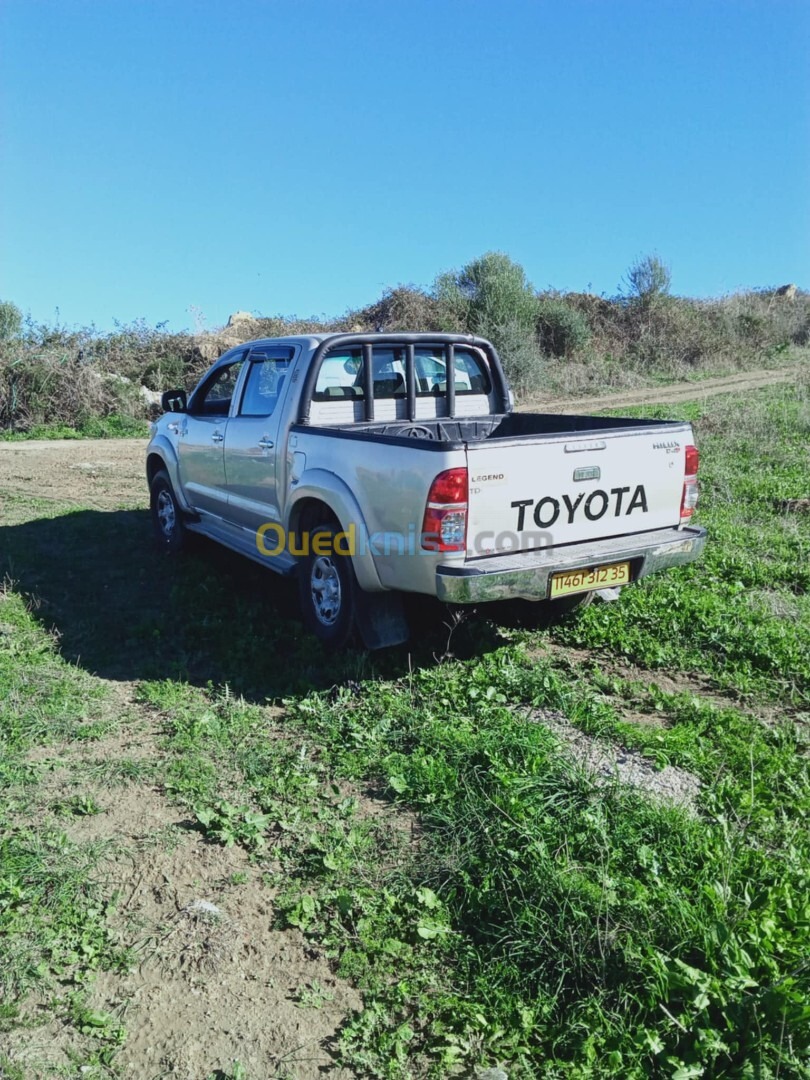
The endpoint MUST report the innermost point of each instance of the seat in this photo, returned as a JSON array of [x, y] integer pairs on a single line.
[[388, 388]]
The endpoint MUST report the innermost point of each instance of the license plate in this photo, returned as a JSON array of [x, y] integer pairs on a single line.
[[600, 577]]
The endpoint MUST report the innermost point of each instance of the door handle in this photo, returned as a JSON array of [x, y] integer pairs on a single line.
[[266, 444], [217, 436]]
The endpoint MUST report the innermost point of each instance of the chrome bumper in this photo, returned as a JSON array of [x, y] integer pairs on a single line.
[[526, 574]]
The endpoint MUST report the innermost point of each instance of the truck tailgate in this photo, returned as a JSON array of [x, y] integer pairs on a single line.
[[541, 491]]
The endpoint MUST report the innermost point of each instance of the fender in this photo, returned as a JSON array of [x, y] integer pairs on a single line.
[[161, 447], [329, 489]]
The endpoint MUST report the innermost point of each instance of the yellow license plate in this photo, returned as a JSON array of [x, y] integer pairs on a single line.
[[601, 577]]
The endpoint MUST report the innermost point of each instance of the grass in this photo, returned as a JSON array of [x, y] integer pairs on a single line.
[[414, 816], [114, 426], [52, 907]]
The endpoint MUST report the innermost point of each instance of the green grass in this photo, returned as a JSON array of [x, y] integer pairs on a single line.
[[114, 426], [742, 615], [53, 909], [413, 816]]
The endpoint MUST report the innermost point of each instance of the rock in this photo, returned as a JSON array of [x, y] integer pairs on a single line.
[[241, 317], [150, 398], [787, 291], [606, 761]]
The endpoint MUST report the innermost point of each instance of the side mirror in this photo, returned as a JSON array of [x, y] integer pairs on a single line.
[[174, 401]]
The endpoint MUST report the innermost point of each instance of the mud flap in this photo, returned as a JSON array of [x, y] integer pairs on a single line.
[[381, 619]]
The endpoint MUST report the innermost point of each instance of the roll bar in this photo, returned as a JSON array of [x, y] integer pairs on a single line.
[[410, 341]]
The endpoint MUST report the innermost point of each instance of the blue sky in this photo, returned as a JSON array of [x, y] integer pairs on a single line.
[[163, 159]]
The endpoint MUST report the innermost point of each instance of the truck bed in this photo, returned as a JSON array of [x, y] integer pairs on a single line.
[[512, 427]]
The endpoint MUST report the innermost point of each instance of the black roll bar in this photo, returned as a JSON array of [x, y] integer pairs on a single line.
[[410, 381], [368, 382], [450, 372], [367, 341]]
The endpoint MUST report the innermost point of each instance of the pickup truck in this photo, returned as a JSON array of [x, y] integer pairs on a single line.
[[373, 465]]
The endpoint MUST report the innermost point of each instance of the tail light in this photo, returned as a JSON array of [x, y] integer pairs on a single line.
[[690, 485], [444, 526]]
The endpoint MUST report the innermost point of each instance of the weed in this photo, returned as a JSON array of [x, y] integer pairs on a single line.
[[77, 806], [312, 996], [231, 825]]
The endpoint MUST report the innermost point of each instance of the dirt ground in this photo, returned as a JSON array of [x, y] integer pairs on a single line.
[[101, 474], [212, 981]]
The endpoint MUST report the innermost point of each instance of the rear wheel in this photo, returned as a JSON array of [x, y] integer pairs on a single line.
[[167, 520], [327, 589]]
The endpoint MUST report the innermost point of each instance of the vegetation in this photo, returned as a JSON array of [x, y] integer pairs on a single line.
[[10, 321], [648, 281], [417, 814], [551, 342]]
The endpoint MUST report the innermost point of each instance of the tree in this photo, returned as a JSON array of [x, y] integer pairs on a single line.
[[489, 292], [10, 321], [648, 280]]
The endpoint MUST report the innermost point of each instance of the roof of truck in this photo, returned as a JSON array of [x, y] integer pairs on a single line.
[[313, 340]]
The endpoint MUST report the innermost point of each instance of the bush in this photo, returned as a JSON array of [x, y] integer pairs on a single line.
[[520, 355], [486, 294], [37, 389], [148, 355], [648, 280], [561, 329], [10, 321], [404, 308]]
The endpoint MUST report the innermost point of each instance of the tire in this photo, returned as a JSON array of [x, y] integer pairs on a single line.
[[327, 590], [167, 517]]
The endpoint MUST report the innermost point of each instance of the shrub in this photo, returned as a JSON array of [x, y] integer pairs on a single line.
[[41, 389], [520, 355], [561, 329], [488, 293], [404, 308], [10, 321], [648, 280]]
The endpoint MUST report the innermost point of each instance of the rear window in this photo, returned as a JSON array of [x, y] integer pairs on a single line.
[[341, 374]]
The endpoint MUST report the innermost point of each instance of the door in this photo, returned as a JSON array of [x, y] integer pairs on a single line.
[[253, 454], [201, 440]]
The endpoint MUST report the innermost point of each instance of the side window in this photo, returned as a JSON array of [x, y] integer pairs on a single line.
[[264, 384], [215, 397], [471, 373], [472, 376], [341, 376]]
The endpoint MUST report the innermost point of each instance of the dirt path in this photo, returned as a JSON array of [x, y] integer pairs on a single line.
[[106, 473], [655, 395]]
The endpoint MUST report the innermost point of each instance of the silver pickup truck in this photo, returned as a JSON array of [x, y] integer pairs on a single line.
[[372, 465]]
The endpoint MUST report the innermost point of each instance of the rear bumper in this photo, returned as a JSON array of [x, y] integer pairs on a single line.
[[526, 574]]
